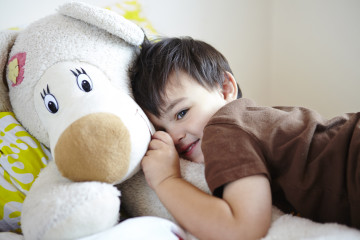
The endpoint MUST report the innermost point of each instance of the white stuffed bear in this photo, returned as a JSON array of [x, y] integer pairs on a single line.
[[65, 77]]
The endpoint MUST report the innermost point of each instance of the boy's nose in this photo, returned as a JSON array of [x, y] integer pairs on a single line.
[[176, 135]]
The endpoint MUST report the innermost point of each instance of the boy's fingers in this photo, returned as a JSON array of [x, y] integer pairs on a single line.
[[155, 144], [163, 136]]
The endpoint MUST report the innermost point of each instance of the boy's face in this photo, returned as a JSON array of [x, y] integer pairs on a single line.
[[188, 107]]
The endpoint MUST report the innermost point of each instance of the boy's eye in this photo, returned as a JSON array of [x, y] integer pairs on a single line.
[[181, 114]]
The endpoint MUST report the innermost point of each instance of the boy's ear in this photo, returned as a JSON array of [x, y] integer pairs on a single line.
[[229, 89]]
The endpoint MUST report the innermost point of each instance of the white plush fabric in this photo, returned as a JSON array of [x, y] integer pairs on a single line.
[[66, 204], [289, 227], [10, 236], [142, 228], [7, 39], [105, 19]]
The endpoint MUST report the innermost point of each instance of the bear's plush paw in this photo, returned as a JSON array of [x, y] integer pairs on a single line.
[[66, 210]]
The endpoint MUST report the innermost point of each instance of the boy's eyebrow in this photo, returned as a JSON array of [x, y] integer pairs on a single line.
[[173, 104]]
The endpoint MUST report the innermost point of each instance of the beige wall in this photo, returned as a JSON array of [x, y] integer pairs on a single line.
[[282, 52], [239, 29], [315, 54]]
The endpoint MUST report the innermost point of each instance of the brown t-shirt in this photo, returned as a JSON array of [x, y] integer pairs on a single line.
[[313, 164]]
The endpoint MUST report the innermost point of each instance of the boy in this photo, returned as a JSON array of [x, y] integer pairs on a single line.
[[254, 156]]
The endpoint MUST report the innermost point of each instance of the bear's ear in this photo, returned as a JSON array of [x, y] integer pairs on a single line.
[[7, 39], [105, 19]]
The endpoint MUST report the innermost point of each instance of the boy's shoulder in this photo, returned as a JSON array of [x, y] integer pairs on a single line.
[[235, 107], [241, 103], [246, 112]]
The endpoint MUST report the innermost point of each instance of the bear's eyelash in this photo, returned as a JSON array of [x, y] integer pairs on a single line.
[[46, 92], [78, 72]]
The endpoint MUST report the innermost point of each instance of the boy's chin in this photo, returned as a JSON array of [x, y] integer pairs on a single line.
[[199, 159], [188, 160]]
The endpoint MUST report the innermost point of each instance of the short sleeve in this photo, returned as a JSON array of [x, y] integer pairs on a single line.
[[230, 154]]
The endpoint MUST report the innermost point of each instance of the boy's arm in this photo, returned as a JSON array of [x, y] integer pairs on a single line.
[[243, 213]]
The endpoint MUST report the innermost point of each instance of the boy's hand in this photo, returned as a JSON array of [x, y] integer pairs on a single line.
[[161, 161]]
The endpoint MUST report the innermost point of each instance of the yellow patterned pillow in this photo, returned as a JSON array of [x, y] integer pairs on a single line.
[[21, 159], [132, 10]]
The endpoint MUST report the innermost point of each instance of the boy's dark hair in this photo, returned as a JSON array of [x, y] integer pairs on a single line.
[[159, 58]]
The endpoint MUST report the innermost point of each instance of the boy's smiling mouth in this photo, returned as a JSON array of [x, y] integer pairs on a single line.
[[187, 150]]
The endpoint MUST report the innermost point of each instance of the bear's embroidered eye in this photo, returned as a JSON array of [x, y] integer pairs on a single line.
[[50, 101], [83, 80]]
